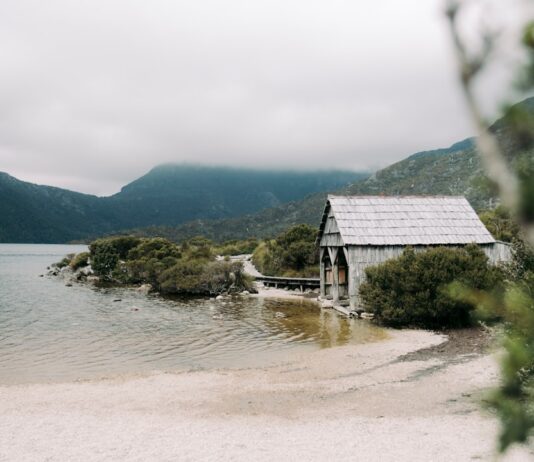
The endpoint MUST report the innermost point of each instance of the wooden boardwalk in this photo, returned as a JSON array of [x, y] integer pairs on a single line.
[[290, 283], [271, 281]]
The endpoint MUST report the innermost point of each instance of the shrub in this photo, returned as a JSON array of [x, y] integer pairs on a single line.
[[170, 268], [80, 260], [106, 253], [121, 245], [195, 277], [157, 248], [292, 253], [105, 258], [64, 262], [237, 247], [500, 224], [413, 290]]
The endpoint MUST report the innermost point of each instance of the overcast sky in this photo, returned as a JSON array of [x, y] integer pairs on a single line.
[[95, 93]]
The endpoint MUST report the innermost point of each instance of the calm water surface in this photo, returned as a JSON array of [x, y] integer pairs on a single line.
[[50, 332]]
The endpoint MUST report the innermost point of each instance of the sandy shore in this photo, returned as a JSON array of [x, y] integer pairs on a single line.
[[373, 402]]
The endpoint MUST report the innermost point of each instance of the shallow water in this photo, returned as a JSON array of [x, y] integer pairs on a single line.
[[50, 332]]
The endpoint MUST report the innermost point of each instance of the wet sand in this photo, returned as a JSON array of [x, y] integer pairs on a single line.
[[375, 402]]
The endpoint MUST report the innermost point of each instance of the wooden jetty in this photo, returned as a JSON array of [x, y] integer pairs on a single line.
[[289, 283]]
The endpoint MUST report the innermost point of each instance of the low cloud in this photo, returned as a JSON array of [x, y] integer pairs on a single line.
[[95, 93]]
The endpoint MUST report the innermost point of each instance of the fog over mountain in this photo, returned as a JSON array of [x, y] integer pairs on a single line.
[[93, 94]]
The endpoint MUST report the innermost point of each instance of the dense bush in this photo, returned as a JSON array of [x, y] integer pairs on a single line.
[[194, 277], [236, 247], [500, 224], [120, 245], [187, 268], [292, 253], [413, 290], [105, 258], [106, 254], [80, 260]]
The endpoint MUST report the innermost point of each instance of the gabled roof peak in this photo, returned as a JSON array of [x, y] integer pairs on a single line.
[[405, 220]]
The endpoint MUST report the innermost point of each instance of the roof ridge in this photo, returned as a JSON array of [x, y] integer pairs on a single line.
[[405, 220], [418, 196]]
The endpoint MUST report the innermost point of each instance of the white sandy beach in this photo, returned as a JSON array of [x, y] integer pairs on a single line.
[[346, 403]]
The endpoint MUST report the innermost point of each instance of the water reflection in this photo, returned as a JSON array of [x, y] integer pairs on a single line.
[[304, 321], [51, 332]]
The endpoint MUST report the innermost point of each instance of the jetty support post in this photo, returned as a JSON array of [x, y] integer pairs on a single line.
[[322, 273], [335, 274]]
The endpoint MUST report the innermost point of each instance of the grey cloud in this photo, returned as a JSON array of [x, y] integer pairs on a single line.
[[94, 93]]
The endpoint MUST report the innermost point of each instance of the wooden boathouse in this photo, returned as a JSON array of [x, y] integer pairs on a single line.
[[361, 231]]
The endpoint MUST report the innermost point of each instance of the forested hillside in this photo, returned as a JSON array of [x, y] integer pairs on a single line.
[[166, 196]]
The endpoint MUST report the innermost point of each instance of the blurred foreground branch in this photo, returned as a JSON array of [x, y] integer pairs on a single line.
[[492, 157], [513, 400]]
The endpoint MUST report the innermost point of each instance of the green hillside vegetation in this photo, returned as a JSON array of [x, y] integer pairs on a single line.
[[166, 196], [186, 269]]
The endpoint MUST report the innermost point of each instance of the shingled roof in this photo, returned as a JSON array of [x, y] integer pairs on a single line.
[[404, 220]]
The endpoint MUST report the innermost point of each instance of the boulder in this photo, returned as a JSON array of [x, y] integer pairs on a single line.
[[145, 288], [86, 270]]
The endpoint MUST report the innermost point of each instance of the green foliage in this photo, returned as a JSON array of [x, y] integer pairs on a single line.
[[514, 399], [157, 248], [105, 258], [187, 268], [194, 277], [64, 261], [292, 253], [106, 254], [80, 260], [413, 289], [500, 224], [237, 247]]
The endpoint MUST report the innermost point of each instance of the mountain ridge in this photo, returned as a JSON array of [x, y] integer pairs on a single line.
[[168, 195], [455, 170], [229, 203]]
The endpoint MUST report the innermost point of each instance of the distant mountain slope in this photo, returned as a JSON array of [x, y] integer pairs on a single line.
[[168, 195], [32, 213], [450, 171], [173, 194]]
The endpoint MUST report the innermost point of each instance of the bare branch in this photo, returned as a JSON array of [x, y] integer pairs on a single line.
[[492, 158]]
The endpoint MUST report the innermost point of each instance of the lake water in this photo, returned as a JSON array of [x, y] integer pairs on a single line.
[[50, 332]]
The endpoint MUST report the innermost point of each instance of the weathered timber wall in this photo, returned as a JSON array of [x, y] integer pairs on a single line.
[[331, 236]]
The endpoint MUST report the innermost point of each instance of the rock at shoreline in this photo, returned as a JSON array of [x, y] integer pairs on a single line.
[[145, 289]]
